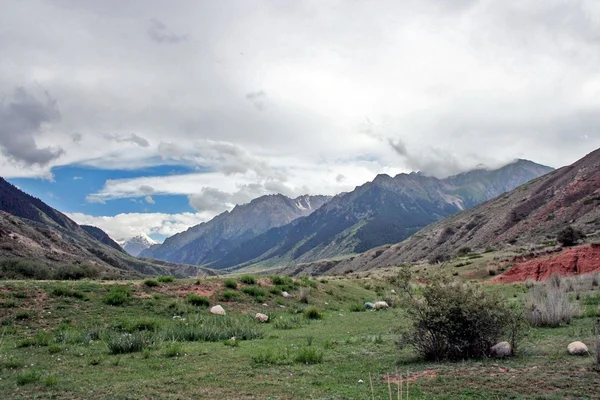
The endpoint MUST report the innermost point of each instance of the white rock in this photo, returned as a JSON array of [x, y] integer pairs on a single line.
[[501, 350], [217, 310], [286, 295], [261, 317], [393, 291], [577, 349], [380, 305]]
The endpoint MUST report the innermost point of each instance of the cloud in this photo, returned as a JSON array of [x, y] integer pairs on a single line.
[[125, 226], [145, 189], [430, 161], [95, 199], [258, 99], [77, 137], [77, 178], [149, 200], [160, 33], [340, 178], [131, 138], [22, 119], [210, 199]]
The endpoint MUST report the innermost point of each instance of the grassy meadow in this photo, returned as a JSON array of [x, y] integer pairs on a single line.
[[156, 339]]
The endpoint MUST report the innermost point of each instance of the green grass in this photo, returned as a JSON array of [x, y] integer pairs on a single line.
[[177, 350], [248, 279], [198, 301], [230, 283], [151, 283], [165, 279], [255, 291]]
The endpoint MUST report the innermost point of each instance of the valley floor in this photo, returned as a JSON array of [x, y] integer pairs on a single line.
[[56, 340]]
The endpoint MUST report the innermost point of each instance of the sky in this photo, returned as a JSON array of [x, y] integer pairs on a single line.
[[153, 116]]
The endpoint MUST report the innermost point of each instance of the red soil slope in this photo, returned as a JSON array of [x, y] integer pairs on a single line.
[[575, 261]]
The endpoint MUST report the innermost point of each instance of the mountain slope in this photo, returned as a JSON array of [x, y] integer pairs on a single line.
[[385, 210], [206, 242], [531, 214], [31, 230], [137, 244], [102, 237]]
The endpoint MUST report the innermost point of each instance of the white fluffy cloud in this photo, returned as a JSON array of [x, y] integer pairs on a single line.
[[126, 226]]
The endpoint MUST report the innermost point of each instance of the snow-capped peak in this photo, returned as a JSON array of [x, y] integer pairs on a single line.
[[137, 244]]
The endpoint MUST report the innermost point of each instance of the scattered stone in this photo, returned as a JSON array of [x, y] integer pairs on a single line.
[[265, 304], [262, 317], [393, 291], [286, 295], [217, 310], [501, 350], [381, 305], [369, 305], [577, 349]]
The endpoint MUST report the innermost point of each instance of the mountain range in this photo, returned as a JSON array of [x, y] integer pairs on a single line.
[[384, 211], [31, 230], [531, 214]]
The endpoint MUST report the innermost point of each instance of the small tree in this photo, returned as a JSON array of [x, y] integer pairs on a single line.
[[454, 321], [569, 236]]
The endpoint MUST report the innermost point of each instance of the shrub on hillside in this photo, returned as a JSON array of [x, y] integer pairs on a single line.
[[117, 295], [165, 279], [254, 291], [312, 313], [198, 301], [230, 283], [569, 236], [151, 283], [248, 279], [463, 251], [454, 321]]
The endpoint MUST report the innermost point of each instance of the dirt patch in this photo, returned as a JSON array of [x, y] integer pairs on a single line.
[[397, 379], [575, 261]]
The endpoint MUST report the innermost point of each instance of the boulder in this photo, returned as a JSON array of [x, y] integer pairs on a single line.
[[501, 350], [217, 310], [393, 291], [286, 295], [262, 317], [577, 349], [369, 305], [380, 305]]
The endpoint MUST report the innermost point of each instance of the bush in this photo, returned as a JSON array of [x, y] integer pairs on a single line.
[[64, 291], [255, 291], [463, 251], [248, 279], [229, 295], [549, 307], [230, 283], [23, 269], [286, 323], [357, 307], [281, 280], [198, 301], [312, 313], [213, 329], [569, 236], [117, 295], [165, 279], [309, 355], [25, 378], [455, 321], [126, 343], [174, 350], [304, 295], [151, 283]]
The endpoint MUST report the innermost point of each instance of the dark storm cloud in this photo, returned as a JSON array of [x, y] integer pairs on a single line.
[[160, 33], [22, 118]]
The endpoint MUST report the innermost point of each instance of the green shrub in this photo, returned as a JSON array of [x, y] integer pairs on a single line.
[[198, 301], [117, 295], [23, 269], [54, 348], [50, 381], [231, 343], [254, 291], [248, 279], [64, 291], [270, 357], [454, 321], [75, 272], [229, 295], [11, 363], [312, 313], [463, 251], [151, 283], [357, 307], [136, 325], [165, 279], [309, 355], [230, 283], [286, 323], [569, 236], [174, 350], [281, 280], [21, 315], [549, 307], [27, 377], [212, 329], [276, 290], [126, 343]]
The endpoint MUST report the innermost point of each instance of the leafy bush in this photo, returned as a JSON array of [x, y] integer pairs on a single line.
[[312, 313], [126, 343], [75, 272], [254, 291], [27, 377], [117, 295], [248, 279], [23, 269], [64, 291], [165, 279], [357, 307], [569, 236], [231, 343], [174, 350], [455, 321], [309, 355], [198, 301], [549, 307], [463, 251], [229, 295], [281, 280], [151, 283], [230, 283]]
